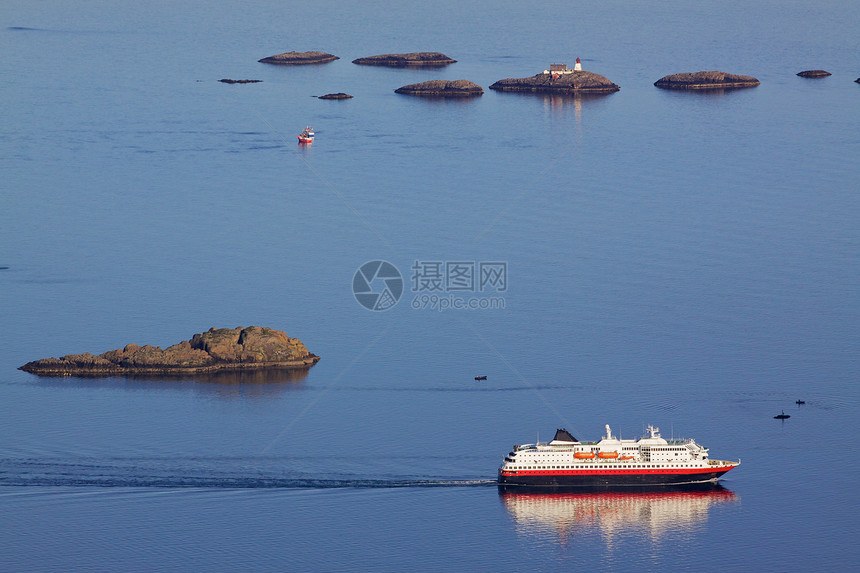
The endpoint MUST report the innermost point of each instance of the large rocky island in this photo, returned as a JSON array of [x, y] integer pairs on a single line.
[[299, 58], [442, 88], [559, 79], [403, 60], [218, 349], [705, 81]]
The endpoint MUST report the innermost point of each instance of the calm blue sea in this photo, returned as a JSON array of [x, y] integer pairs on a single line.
[[689, 260]]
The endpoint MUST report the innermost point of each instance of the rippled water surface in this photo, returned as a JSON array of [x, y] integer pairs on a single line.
[[688, 260]]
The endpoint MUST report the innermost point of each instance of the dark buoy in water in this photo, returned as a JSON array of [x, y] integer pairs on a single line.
[[782, 416], [480, 377], [799, 402]]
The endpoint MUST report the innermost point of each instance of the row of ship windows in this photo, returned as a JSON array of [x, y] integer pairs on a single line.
[[661, 449]]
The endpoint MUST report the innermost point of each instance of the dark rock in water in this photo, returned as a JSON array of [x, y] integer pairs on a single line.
[[239, 348], [443, 88], [403, 60], [339, 95], [705, 81], [298, 58], [814, 74], [578, 82], [229, 81]]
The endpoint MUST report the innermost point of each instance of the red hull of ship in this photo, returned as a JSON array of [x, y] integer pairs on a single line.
[[612, 477]]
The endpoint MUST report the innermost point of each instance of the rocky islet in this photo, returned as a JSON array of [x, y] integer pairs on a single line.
[[217, 349], [411, 59], [300, 58], [814, 74], [569, 82], [705, 81], [442, 88]]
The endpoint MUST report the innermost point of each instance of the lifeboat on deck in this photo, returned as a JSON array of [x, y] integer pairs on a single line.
[[626, 458], [607, 455], [583, 455]]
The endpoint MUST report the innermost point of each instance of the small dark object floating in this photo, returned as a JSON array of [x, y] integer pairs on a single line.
[[799, 402], [339, 95], [782, 416], [229, 81], [480, 377]]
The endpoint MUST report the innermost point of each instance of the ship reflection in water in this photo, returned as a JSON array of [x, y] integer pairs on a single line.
[[610, 513]]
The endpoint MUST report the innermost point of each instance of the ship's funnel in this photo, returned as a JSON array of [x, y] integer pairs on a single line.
[[562, 435]]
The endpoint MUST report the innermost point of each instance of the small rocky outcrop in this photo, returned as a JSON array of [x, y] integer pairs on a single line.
[[705, 81], [339, 95], [299, 58], [403, 60], [575, 82], [217, 349], [442, 88], [814, 74], [229, 81]]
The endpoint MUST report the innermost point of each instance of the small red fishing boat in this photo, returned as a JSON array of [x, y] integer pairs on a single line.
[[307, 135]]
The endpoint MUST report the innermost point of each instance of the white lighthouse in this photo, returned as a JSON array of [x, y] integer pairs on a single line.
[[577, 67]]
